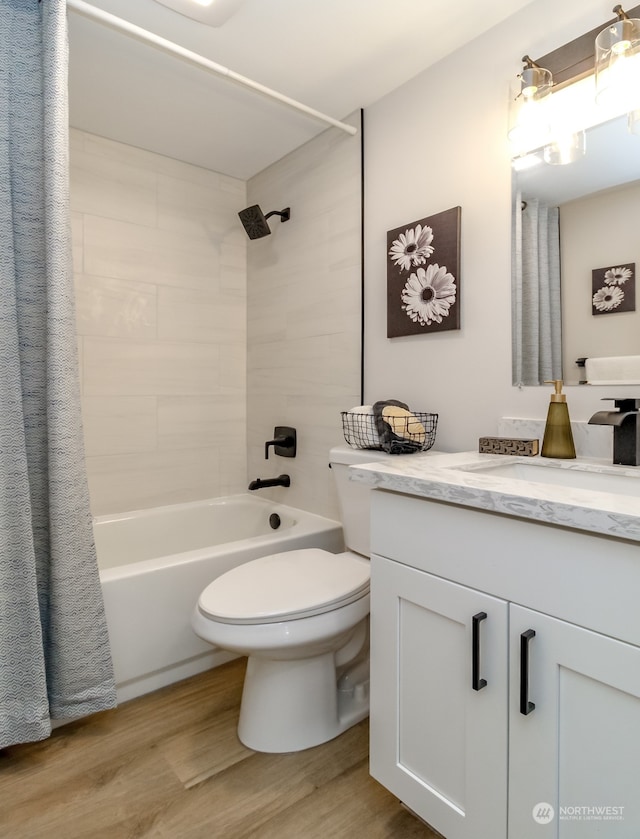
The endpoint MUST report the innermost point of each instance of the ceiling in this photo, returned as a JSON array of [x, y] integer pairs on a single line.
[[333, 55]]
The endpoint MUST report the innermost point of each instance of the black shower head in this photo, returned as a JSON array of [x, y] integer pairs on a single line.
[[255, 221]]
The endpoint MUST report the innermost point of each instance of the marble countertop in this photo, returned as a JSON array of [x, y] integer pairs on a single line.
[[451, 478]]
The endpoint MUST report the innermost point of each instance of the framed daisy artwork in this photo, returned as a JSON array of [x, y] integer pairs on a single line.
[[613, 289], [423, 275]]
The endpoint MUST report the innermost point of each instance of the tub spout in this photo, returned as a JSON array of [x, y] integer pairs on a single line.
[[263, 483]]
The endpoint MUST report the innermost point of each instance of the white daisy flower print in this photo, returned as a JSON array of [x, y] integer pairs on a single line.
[[617, 276], [412, 247], [428, 295], [607, 298]]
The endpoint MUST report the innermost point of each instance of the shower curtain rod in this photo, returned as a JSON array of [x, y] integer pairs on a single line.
[[122, 25]]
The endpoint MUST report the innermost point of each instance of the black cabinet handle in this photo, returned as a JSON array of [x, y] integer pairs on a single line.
[[476, 682], [526, 707]]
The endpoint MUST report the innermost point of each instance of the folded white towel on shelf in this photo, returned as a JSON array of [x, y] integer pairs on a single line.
[[613, 370]]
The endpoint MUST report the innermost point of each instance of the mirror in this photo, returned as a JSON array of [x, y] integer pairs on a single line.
[[598, 201]]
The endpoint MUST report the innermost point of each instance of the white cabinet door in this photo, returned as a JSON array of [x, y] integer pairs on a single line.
[[574, 759], [438, 741]]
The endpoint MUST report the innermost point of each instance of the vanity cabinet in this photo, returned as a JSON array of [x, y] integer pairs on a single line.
[[579, 746], [436, 743], [505, 688]]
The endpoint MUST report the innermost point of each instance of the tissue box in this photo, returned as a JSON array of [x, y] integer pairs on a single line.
[[508, 445]]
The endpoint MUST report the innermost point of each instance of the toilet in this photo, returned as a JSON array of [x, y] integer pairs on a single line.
[[302, 618]]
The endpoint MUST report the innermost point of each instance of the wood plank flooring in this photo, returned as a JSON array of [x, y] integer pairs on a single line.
[[169, 766]]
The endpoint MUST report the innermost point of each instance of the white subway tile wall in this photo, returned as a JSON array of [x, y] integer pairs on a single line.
[[304, 304], [160, 274], [185, 369]]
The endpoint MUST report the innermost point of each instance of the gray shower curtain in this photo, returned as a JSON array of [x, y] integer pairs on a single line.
[[54, 650], [536, 305]]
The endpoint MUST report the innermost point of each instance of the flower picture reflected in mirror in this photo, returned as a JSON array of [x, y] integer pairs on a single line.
[[423, 275], [613, 289]]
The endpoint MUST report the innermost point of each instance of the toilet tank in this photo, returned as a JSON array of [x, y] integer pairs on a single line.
[[354, 497]]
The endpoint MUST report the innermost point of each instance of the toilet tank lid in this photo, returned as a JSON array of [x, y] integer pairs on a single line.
[[349, 456]]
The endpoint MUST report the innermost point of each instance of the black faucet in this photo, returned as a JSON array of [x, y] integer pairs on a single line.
[[626, 430], [284, 442], [263, 483]]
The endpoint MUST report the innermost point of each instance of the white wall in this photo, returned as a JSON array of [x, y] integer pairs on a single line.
[[160, 272], [596, 232], [438, 142], [304, 313]]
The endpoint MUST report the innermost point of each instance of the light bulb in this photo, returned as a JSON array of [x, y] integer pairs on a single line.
[[619, 48]]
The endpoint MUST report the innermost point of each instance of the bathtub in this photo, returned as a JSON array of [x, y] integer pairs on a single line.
[[154, 564]]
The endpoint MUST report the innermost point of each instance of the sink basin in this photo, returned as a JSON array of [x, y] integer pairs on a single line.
[[550, 473]]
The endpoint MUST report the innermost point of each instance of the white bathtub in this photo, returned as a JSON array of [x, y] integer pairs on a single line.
[[154, 564]]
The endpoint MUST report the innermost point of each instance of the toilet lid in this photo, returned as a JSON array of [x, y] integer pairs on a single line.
[[310, 582]]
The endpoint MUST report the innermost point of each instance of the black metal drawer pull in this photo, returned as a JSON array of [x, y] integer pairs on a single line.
[[476, 682], [526, 707]]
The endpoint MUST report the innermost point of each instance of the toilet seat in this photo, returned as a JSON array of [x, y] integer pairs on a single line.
[[311, 582]]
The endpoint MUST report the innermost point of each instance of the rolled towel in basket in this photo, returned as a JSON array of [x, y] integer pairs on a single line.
[[401, 432], [361, 427], [404, 424]]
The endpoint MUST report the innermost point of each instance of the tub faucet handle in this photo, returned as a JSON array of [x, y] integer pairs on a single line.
[[284, 442]]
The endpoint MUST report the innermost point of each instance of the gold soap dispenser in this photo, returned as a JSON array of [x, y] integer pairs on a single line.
[[558, 439]]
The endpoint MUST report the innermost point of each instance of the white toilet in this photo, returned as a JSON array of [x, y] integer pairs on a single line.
[[302, 619]]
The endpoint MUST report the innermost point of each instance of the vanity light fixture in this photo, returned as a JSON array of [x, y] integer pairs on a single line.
[[536, 123], [535, 81], [617, 63], [613, 51], [211, 12], [529, 112]]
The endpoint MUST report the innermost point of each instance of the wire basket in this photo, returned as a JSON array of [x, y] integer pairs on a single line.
[[397, 435]]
